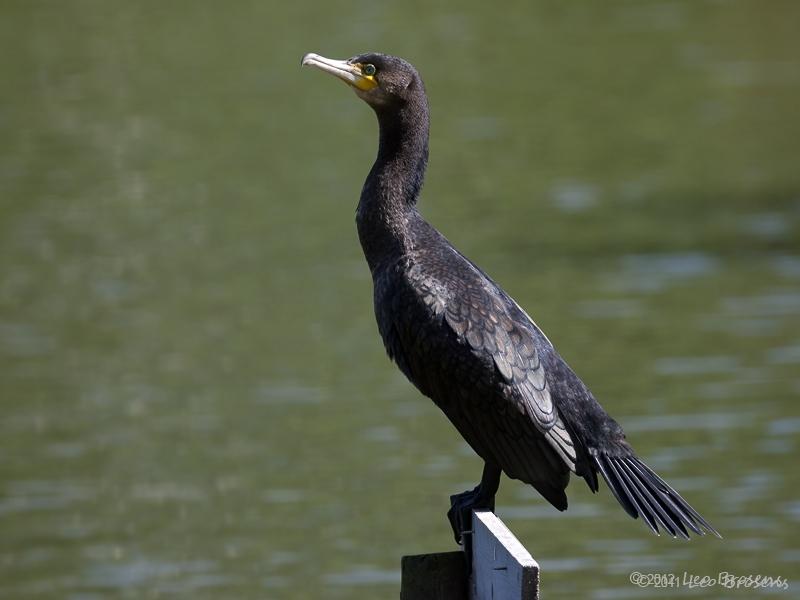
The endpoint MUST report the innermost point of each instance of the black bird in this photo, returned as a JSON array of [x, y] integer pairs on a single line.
[[467, 345]]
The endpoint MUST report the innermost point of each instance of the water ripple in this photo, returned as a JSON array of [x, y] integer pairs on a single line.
[[364, 575], [654, 272]]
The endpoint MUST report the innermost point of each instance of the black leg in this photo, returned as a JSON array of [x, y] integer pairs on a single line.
[[480, 498]]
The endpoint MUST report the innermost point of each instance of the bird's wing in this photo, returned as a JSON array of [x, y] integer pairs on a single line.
[[488, 321]]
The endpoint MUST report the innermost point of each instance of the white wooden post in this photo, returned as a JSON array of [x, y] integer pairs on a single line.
[[502, 569]]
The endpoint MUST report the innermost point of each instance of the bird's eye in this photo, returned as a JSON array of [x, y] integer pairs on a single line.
[[369, 70]]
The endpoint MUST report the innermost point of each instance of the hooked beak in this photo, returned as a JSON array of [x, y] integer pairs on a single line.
[[348, 72]]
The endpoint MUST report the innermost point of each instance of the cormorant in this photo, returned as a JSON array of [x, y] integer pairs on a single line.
[[467, 345]]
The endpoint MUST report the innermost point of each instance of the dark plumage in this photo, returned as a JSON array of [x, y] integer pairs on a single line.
[[467, 345]]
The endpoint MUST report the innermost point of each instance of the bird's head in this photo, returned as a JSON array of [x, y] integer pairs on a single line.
[[382, 81]]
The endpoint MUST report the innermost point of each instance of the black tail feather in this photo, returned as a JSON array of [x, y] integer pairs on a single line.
[[668, 513], [641, 492], [646, 510], [685, 518], [615, 487], [670, 493]]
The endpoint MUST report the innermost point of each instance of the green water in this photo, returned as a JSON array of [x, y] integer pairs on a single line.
[[195, 400]]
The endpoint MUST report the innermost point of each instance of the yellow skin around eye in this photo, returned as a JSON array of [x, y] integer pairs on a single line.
[[365, 82]]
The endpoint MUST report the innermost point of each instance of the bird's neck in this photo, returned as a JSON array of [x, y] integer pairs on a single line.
[[387, 208]]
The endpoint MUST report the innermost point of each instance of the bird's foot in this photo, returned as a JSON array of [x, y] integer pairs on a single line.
[[460, 513]]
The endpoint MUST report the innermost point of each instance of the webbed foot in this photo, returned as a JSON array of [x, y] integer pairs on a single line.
[[461, 507]]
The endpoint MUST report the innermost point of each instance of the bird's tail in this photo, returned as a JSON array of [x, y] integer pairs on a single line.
[[641, 491]]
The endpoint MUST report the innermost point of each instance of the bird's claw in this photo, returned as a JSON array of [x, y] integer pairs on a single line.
[[460, 513]]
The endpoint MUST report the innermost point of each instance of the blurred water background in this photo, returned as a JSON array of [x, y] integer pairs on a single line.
[[195, 401]]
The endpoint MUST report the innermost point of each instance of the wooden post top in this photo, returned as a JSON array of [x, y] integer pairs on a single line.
[[501, 566]]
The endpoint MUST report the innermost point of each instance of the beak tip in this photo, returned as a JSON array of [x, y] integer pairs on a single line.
[[307, 59]]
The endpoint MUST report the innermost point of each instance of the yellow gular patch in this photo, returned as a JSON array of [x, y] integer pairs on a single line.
[[366, 83]]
